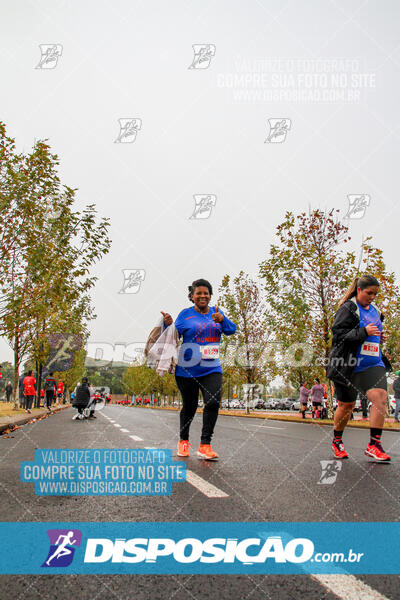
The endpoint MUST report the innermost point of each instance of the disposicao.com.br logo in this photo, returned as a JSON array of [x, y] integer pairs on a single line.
[[199, 547], [190, 550]]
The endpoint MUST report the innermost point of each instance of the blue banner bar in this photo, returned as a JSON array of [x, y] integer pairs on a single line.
[[190, 548]]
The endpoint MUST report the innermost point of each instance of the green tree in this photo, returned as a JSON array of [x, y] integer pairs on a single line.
[[305, 276], [252, 351], [44, 290]]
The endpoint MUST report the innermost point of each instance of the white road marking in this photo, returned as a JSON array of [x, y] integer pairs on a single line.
[[348, 587], [136, 438], [117, 425], [266, 426], [125, 430], [206, 488], [150, 448]]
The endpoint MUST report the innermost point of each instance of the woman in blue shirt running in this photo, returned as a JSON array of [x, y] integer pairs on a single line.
[[199, 365]]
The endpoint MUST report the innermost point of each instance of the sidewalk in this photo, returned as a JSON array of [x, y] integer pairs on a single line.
[[8, 424]]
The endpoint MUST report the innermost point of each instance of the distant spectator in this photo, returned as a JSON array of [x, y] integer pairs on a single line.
[[9, 391], [82, 394], [29, 383], [396, 390], [21, 390], [50, 387], [317, 394], [60, 390], [364, 406]]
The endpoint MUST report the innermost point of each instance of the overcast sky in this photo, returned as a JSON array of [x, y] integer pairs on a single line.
[[333, 67]]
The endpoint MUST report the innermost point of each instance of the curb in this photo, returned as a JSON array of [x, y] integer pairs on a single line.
[[320, 422], [22, 420]]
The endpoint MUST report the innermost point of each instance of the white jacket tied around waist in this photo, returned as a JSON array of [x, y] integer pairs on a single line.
[[161, 349]]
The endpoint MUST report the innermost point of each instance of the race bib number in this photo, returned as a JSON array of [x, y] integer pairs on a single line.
[[210, 351], [370, 349]]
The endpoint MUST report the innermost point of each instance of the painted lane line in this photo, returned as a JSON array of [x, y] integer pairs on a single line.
[[150, 448], [125, 430], [266, 426], [136, 438], [117, 425], [206, 488], [348, 587]]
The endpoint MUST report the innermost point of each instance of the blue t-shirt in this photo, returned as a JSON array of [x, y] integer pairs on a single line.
[[198, 330], [369, 353]]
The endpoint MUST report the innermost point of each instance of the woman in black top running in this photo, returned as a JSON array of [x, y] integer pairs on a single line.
[[357, 365]]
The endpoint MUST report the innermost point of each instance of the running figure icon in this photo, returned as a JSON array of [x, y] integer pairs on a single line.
[[62, 549]]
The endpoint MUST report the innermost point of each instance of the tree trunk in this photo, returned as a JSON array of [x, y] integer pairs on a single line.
[[37, 396], [16, 375], [39, 382]]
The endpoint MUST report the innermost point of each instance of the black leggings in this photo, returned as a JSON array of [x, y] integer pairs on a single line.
[[211, 388], [49, 398], [28, 402]]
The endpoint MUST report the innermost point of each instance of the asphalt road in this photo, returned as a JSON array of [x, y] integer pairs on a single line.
[[268, 471]]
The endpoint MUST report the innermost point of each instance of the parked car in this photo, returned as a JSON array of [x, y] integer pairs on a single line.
[[287, 403], [260, 404], [296, 405], [235, 404], [252, 404], [272, 403]]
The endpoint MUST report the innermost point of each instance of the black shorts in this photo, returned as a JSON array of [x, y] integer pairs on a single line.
[[360, 383], [304, 403], [317, 403]]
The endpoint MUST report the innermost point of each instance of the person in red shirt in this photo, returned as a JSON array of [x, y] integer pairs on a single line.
[[29, 384], [60, 390]]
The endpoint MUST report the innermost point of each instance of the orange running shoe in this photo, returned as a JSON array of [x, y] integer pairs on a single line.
[[183, 448], [205, 451]]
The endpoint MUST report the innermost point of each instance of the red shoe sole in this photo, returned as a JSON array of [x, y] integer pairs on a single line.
[[386, 460]]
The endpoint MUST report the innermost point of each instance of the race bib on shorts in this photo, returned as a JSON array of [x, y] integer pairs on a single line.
[[370, 349], [210, 351]]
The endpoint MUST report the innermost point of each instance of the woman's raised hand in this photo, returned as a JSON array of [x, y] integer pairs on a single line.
[[167, 318], [217, 317]]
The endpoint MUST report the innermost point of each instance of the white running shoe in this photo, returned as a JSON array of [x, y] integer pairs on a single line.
[[77, 416]]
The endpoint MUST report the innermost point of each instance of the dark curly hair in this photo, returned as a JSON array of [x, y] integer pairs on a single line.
[[198, 283]]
